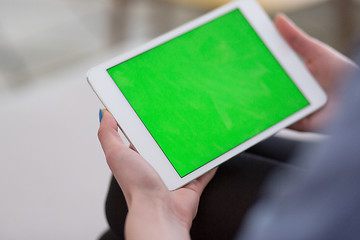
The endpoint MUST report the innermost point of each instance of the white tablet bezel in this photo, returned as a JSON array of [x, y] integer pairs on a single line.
[[141, 139]]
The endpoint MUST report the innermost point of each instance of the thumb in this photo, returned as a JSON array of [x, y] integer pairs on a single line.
[[131, 171], [306, 46], [108, 134]]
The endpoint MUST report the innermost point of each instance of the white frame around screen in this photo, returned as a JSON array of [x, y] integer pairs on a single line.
[[141, 139]]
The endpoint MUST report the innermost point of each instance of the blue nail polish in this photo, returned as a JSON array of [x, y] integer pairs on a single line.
[[100, 115]]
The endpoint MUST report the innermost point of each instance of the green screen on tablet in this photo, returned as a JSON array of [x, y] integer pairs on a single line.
[[207, 91]]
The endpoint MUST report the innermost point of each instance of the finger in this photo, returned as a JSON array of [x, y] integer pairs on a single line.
[[199, 184], [115, 152], [109, 138], [302, 43], [302, 125]]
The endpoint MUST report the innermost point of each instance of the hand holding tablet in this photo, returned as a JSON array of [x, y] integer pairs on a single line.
[[200, 94]]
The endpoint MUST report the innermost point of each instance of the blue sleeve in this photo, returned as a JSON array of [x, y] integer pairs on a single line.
[[322, 203]]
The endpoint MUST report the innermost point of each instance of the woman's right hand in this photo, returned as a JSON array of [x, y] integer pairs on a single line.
[[327, 66]]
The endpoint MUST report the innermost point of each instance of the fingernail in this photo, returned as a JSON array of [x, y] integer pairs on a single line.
[[100, 115]]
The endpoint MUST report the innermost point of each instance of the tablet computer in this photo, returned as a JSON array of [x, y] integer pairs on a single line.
[[200, 94]]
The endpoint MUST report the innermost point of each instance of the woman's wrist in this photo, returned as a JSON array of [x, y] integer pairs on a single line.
[[153, 218]]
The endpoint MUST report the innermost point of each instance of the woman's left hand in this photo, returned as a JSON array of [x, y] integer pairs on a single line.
[[154, 211]]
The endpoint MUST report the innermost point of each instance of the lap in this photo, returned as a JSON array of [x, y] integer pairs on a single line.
[[226, 200]]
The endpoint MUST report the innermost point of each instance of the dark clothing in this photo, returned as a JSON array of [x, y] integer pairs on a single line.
[[322, 203], [227, 198]]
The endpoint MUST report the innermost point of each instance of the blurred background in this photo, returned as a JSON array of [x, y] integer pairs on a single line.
[[53, 176]]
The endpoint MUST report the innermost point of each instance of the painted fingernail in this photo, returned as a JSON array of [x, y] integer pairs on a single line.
[[100, 115]]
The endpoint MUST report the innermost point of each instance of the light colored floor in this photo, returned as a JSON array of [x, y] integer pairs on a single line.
[[53, 175]]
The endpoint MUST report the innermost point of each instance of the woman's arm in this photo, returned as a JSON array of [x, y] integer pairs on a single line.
[[154, 211]]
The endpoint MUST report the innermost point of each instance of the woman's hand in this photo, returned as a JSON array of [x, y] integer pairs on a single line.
[[154, 211], [327, 66]]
